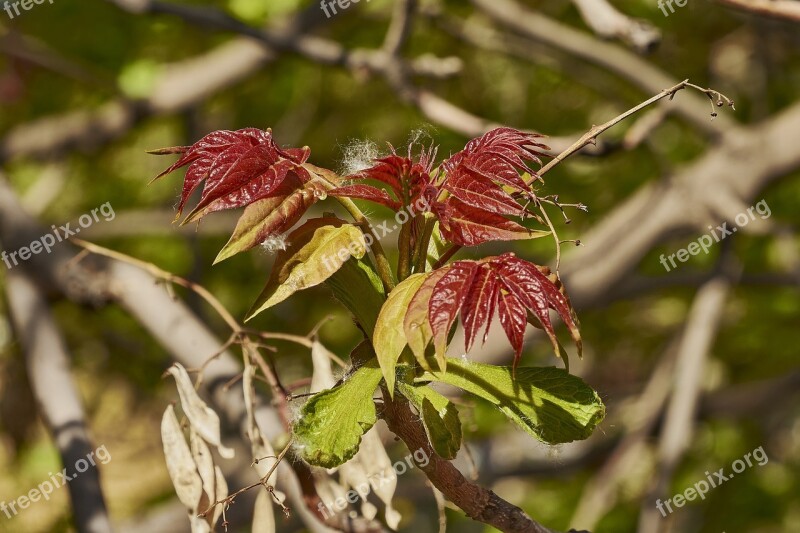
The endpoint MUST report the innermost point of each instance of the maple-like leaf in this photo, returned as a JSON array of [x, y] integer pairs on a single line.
[[499, 155], [471, 193], [480, 182], [409, 180], [237, 168], [469, 226], [506, 286]]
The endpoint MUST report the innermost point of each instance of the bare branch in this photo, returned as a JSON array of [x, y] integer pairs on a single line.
[[48, 363], [607, 22], [609, 56], [704, 320], [788, 10]]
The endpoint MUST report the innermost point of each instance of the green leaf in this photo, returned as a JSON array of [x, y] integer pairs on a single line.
[[332, 422], [390, 338], [549, 403], [439, 416], [317, 249]]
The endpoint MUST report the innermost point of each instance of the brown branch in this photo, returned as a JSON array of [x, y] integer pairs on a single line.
[[171, 323], [744, 162], [590, 136], [788, 10], [478, 503]]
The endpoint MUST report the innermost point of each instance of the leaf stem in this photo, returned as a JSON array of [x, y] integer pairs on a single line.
[[421, 254], [553, 230], [450, 252], [404, 247]]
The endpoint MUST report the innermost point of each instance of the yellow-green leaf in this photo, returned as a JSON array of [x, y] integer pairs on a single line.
[[315, 251], [390, 338], [416, 325]]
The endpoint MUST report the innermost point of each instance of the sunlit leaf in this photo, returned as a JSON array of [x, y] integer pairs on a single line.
[[271, 216], [469, 226], [505, 286], [332, 423], [549, 403], [390, 338], [315, 251], [238, 168]]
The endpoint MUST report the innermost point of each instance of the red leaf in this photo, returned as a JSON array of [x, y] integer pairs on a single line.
[[388, 170], [538, 293], [479, 304], [513, 317], [499, 155], [468, 226], [447, 299], [407, 179], [505, 285], [480, 192], [366, 192], [478, 180], [238, 167]]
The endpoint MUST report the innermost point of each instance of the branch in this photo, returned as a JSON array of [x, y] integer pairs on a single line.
[[478, 503], [743, 163], [702, 324], [48, 363], [97, 281], [787, 10], [590, 136], [608, 56], [607, 22]]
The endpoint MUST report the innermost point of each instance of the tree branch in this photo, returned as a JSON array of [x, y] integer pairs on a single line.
[[48, 363], [478, 503], [787, 10], [607, 22]]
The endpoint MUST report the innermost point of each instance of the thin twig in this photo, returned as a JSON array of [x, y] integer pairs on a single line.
[[227, 500], [590, 136]]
